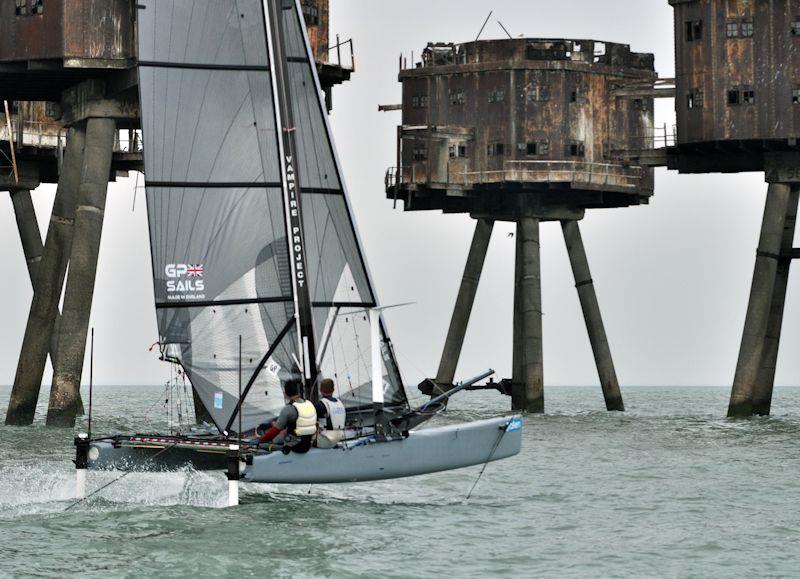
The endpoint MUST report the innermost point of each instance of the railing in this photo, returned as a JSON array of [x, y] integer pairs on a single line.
[[582, 172], [47, 136], [658, 137], [336, 51]]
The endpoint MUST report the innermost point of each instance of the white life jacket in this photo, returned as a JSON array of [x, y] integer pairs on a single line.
[[336, 412], [306, 424]]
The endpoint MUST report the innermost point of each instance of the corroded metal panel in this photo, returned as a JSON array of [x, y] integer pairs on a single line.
[[67, 29], [31, 36], [317, 15], [737, 70], [99, 29], [530, 114]]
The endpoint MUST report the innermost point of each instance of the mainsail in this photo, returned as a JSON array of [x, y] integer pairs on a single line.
[[232, 140]]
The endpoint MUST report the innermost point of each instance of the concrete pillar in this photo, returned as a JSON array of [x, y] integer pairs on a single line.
[[47, 290], [82, 271], [464, 303], [762, 395], [33, 249], [531, 310], [592, 316], [518, 359], [28, 228], [758, 310]]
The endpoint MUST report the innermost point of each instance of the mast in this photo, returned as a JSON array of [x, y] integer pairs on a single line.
[[292, 195]]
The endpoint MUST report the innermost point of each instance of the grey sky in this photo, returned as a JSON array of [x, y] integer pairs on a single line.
[[673, 277]]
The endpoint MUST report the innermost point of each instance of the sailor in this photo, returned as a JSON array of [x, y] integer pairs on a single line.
[[296, 424], [332, 415]]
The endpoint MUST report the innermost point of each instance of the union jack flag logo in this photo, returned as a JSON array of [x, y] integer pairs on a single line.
[[195, 271]]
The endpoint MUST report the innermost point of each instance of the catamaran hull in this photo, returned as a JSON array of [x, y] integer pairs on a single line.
[[422, 452]]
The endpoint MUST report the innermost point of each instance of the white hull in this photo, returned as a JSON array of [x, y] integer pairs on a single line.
[[424, 451]]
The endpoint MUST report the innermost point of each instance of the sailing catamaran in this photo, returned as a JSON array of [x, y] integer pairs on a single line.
[[258, 270]]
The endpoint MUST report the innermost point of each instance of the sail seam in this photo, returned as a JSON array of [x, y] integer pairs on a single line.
[[204, 66], [213, 185], [242, 302]]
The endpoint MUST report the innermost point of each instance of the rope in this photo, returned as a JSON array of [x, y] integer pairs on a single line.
[[488, 460], [116, 480]]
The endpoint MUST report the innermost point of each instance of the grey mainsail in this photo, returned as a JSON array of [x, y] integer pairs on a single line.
[[217, 209]]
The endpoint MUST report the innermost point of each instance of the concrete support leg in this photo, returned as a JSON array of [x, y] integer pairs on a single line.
[[464, 303], [518, 360], [83, 268], [761, 293], [47, 290], [592, 316], [762, 395], [33, 249], [530, 302], [29, 234]]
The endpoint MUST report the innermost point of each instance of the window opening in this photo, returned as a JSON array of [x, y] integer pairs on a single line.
[[577, 149], [310, 12], [538, 94], [21, 8], [747, 29], [694, 30], [695, 99], [733, 97], [420, 152], [458, 151], [748, 96], [497, 96], [796, 26], [419, 101], [457, 97], [496, 149], [796, 96], [732, 29]]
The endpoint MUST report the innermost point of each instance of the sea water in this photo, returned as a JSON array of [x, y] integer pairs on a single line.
[[669, 488]]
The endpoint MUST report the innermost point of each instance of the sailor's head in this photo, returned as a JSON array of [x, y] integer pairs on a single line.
[[292, 388], [326, 387]]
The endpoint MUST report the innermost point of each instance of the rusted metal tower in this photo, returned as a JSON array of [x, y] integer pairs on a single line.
[[525, 130], [68, 70], [738, 109]]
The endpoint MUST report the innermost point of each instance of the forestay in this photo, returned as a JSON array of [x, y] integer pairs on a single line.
[[217, 212]]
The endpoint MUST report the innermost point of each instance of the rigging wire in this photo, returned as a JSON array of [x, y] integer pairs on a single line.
[[488, 460]]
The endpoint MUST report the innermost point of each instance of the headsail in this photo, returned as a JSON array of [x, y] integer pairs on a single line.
[[340, 285], [217, 205]]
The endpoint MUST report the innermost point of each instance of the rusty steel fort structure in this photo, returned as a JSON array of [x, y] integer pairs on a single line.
[[738, 109], [530, 130], [522, 130], [70, 115], [525, 130]]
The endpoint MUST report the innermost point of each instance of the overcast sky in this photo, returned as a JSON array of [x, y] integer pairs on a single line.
[[673, 277]]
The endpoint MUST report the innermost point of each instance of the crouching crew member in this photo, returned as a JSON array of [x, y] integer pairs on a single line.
[[332, 416], [297, 422]]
